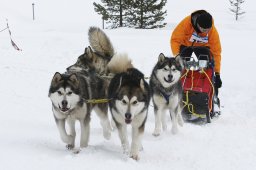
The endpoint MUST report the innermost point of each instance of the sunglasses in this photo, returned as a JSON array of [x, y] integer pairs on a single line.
[[203, 30]]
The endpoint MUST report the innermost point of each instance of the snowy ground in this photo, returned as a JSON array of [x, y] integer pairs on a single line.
[[28, 134]]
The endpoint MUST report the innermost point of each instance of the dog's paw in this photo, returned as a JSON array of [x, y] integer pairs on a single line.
[[70, 146], [134, 156], [77, 151], [125, 149], [83, 145], [156, 132]]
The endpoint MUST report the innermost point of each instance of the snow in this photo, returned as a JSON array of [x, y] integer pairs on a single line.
[[29, 136]]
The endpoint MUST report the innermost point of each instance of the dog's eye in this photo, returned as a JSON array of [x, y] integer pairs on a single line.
[[59, 92], [174, 69], [135, 102], [69, 93], [124, 102], [165, 69]]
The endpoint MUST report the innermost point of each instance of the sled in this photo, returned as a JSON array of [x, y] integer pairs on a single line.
[[198, 86]]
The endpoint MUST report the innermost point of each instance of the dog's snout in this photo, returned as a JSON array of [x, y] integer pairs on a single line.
[[128, 115], [170, 76], [64, 103]]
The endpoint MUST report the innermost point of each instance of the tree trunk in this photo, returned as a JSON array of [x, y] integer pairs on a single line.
[[121, 14]]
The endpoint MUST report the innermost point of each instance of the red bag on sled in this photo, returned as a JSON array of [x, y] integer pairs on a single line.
[[198, 91]]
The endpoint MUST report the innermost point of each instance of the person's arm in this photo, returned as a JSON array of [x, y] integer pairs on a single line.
[[215, 47], [178, 35]]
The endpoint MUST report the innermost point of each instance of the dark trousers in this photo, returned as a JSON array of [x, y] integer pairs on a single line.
[[200, 52]]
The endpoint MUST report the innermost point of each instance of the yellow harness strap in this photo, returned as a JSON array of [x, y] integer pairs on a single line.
[[97, 101], [189, 105]]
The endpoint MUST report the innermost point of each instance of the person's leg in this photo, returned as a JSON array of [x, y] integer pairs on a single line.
[[185, 52], [202, 53]]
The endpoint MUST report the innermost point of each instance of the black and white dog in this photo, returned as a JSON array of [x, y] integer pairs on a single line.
[[130, 97]]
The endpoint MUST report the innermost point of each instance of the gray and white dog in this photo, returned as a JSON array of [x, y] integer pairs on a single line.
[[130, 97], [167, 92], [100, 57], [69, 93], [96, 56]]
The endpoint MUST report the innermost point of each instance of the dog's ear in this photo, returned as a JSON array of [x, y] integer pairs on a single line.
[[179, 62], [161, 58], [120, 83], [56, 79], [74, 80], [142, 86], [88, 53]]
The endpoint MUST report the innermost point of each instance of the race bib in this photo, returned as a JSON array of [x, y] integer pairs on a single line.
[[198, 39]]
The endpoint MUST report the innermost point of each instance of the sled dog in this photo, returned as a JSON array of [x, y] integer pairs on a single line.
[[97, 55], [167, 92], [69, 93], [130, 97]]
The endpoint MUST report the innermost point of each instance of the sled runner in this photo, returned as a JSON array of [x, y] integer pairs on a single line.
[[198, 85]]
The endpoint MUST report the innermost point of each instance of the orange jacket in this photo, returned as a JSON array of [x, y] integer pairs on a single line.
[[182, 34]]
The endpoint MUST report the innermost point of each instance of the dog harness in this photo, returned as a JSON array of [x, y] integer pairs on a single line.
[[166, 96]]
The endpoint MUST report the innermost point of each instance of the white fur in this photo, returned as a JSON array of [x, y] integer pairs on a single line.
[[69, 138], [160, 115], [57, 98], [162, 74], [76, 114], [134, 107], [119, 63]]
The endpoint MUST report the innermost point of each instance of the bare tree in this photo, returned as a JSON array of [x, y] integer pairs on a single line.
[[236, 7]]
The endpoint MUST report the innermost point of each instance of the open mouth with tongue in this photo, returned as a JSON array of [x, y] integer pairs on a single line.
[[64, 109]]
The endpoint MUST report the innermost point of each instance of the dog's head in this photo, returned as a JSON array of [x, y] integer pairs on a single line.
[[168, 70], [90, 61], [132, 97], [64, 92]]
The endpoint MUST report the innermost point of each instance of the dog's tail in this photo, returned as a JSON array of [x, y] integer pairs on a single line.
[[100, 42], [119, 63]]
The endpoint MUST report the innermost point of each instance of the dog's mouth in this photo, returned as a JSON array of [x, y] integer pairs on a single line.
[[168, 80], [64, 109], [128, 121]]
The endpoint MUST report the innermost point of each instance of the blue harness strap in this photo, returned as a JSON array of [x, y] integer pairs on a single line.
[[166, 97]]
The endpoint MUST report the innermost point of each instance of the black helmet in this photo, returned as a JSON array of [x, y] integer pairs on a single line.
[[204, 20]]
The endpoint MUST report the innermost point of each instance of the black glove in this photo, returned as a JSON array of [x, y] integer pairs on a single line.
[[218, 82]]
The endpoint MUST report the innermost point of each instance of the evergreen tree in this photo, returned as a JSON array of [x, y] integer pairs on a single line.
[[236, 9], [112, 11], [132, 13], [146, 14]]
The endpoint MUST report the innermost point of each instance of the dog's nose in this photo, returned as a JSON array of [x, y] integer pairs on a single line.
[[128, 115], [64, 103], [170, 76]]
